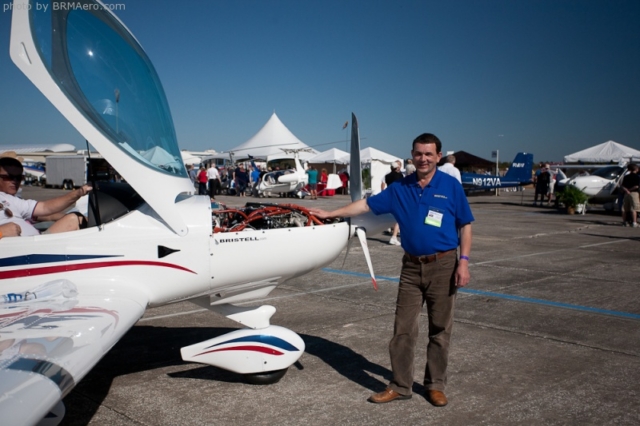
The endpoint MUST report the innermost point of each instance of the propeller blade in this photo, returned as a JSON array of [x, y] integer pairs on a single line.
[[362, 236], [348, 249], [355, 173]]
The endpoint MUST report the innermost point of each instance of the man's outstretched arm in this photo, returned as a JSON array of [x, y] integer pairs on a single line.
[[354, 209], [59, 204]]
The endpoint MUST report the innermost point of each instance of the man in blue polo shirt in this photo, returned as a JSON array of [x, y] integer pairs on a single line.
[[434, 218]]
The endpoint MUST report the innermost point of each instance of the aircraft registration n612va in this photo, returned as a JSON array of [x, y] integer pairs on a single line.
[[518, 174], [69, 297]]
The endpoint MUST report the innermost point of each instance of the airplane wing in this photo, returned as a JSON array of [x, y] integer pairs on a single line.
[[51, 336]]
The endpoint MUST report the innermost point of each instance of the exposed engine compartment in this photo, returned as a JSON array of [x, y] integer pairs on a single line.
[[257, 216]]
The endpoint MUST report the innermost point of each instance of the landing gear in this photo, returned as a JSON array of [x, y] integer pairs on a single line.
[[261, 353], [268, 378]]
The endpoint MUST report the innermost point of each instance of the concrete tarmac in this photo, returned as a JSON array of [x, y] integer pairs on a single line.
[[547, 332]]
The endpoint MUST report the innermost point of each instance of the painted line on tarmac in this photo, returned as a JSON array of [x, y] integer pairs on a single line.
[[509, 297], [542, 253]]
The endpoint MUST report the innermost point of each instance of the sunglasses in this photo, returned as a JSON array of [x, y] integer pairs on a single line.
[[7, 211], [8, 178]]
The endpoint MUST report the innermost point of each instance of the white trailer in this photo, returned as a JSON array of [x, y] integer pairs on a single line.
[[71, 171]]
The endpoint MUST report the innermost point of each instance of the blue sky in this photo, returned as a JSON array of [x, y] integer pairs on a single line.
[[549, 77]]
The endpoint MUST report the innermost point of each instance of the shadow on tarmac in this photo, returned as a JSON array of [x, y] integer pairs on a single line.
[[147, 348]]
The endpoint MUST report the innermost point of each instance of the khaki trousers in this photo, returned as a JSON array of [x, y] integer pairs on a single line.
[[432, 284]]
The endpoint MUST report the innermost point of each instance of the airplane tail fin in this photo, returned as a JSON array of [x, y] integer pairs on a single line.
[[521, 168], [355, 174]]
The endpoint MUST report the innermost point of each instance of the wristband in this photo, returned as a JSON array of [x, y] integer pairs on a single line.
[[1, 235], [463, 257]]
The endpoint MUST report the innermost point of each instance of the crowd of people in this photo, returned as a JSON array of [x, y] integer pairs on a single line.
[[241, 181]]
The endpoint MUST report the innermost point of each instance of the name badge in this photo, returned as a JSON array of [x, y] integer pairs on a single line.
[[434, 218]]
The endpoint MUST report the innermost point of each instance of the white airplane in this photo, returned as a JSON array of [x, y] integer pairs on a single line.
[[66, 299], [600, 185], [285, 181], [34, 170]]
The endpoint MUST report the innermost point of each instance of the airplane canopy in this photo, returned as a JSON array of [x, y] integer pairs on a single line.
[[270, 139], [607, 152]]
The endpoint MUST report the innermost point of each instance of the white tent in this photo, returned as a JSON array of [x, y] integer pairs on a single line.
[[189, 158], [603, 153], [333, 155], [328, 159], [379, 163], [270, 140], [370, 154]]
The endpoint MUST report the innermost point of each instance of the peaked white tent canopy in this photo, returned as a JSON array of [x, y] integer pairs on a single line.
[[609, 151], [270, 139]]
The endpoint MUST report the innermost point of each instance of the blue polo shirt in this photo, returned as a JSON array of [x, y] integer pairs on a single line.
[[429, 218]]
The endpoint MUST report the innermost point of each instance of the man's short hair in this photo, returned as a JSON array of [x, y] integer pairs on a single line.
[[450, 159], [10, 162], [428, 138]]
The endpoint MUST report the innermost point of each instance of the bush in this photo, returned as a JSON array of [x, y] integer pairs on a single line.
[[572, 196]]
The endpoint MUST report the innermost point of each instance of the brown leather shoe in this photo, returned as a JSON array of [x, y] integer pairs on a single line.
[[387, 395], [437, 398]]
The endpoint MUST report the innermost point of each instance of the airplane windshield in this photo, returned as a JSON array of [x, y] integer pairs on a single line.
[[610, 172], [104, 71]]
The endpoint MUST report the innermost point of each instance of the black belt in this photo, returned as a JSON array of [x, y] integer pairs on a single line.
[[428, 258]]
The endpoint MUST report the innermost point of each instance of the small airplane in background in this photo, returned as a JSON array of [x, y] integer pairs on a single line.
[[520, 173], [67, 298], [600, 185], [285, 181], [34, 171]]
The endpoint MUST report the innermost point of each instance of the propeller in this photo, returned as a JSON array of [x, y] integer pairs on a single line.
[[360, 224], [362, 236], [355, 177]]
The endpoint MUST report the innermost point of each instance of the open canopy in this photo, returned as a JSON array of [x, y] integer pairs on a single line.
[[607, 152]]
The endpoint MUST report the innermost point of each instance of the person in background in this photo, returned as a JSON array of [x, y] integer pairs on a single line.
[[410, 168], [631, 203], [395, 175], [202, 181], [241, 178], [449, 167], [313, 182], [542, 185], [552, 183], [255, 178], [435, 219], [324, 177], [213, 176], [344, 178]]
